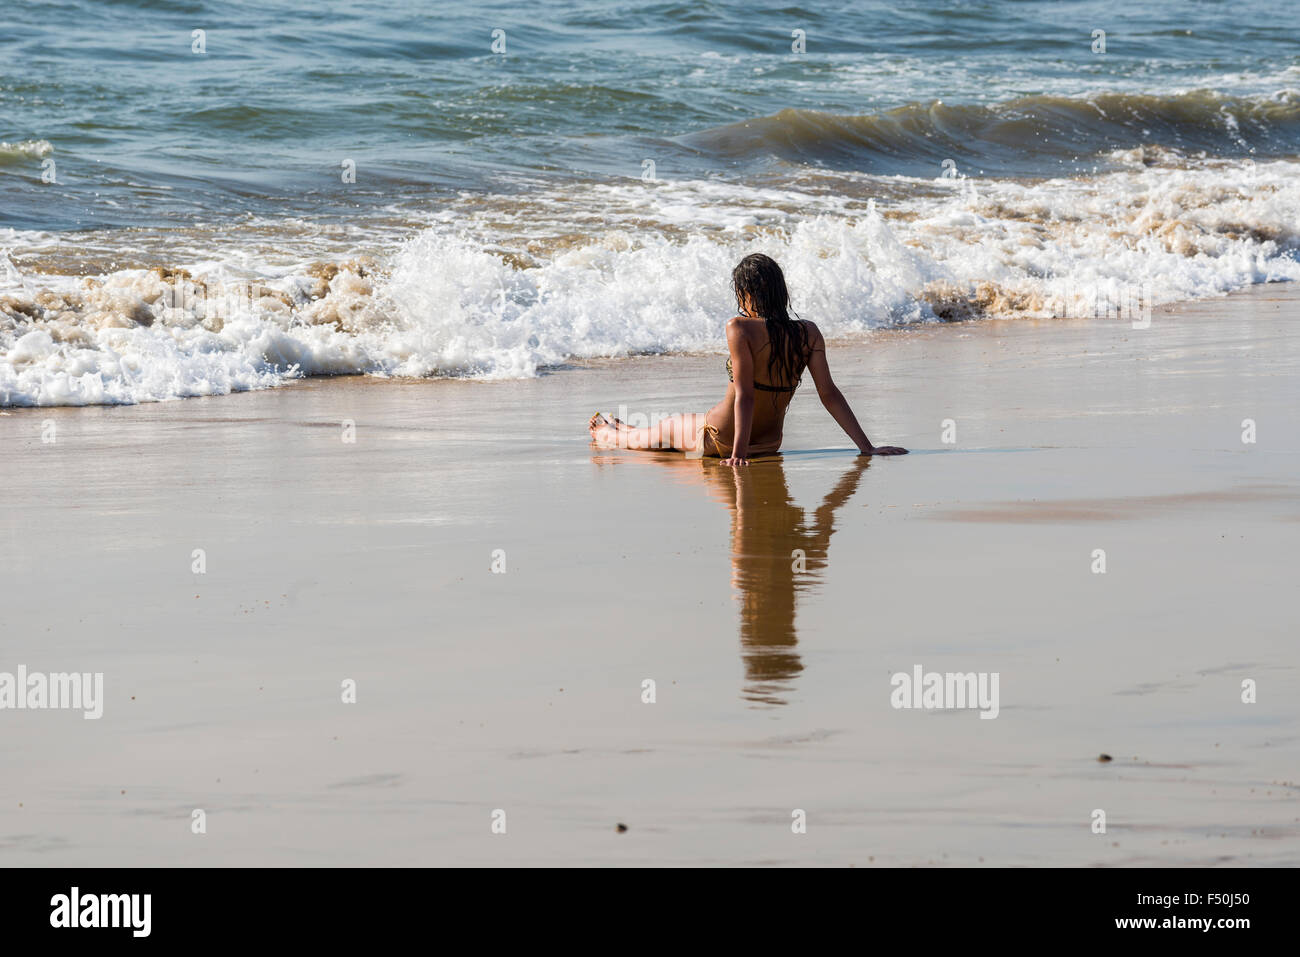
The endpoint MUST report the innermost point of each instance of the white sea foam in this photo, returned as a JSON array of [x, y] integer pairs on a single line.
[[488, 296], [25, 148]]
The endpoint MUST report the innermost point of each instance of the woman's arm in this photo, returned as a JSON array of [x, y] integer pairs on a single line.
[[835, 403], [742, 374]]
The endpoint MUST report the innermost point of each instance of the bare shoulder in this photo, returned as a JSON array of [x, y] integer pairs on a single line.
[[741, 327], [815, 340]]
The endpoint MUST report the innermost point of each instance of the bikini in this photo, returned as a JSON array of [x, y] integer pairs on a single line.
[[724, 451]]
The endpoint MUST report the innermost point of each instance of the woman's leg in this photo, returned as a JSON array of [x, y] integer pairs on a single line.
[[677, 432]]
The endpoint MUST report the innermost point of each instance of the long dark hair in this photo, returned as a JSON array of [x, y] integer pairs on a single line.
[[759, 278]]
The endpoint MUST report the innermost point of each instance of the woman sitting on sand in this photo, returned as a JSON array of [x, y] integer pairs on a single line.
[[762, 336]]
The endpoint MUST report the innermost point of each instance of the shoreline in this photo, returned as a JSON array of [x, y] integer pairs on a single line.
[[1284, 290]]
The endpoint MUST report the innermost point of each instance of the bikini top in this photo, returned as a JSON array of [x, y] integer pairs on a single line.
[[760, 386]]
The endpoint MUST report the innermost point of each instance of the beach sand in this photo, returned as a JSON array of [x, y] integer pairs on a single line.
[[522, 691]]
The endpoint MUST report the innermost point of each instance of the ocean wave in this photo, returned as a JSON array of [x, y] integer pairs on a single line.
[[1028, 135], [479, 293], [26, 149]]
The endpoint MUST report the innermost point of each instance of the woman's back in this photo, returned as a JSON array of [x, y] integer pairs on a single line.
[[774, 382]]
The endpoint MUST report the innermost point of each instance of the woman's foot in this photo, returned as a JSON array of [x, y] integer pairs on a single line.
[[605, 430]]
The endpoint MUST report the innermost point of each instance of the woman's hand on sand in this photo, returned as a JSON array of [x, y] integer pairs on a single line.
[[884, 450], [734, 461]]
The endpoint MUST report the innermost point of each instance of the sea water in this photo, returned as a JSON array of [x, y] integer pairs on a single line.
[[202, 197]]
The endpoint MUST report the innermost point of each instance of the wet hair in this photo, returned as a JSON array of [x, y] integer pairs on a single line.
[[760, 279]]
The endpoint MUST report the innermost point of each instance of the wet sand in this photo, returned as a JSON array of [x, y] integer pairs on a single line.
[[522, 691]]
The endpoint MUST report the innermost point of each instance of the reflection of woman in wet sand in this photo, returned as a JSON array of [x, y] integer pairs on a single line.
[[775, 554], [769, 353]]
